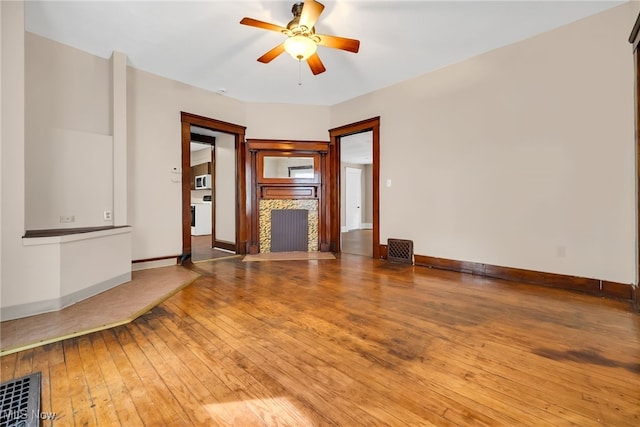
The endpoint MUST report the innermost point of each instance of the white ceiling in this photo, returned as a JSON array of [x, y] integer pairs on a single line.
[[202, 43]]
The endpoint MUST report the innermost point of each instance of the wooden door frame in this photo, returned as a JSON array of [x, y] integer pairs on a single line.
[[187, 120], [373, 125], [634, 39]]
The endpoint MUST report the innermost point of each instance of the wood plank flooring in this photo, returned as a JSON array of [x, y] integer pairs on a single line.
[[349, 342], [357, 242], [201, 249]]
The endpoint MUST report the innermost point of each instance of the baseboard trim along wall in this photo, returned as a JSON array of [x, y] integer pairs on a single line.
[[39, 307], [597, 287], [228, 246], [574, 283], [144, 264]]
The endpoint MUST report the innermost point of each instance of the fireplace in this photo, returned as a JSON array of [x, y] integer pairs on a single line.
[[288, 175], [265, 221]]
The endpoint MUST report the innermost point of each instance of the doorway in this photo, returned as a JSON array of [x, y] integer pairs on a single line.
[[212, 194], [356, 203], [347, 151], [227, 140]]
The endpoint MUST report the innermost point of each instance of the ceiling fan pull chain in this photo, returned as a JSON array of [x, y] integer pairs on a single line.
[[299, 72]]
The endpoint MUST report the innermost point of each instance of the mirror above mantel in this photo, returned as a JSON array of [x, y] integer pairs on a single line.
[[287, 167]]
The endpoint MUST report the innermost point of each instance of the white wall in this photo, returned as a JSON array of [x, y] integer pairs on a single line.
[[154, 135], [26, 289], [366, 185], [12, 81], [289, 122], [225, 169], [68, 145], [520, 157]]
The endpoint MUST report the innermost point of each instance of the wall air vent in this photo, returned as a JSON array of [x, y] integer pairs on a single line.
[[400, 250]]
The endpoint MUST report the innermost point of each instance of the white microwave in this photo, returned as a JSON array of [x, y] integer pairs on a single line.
[[203, 182]]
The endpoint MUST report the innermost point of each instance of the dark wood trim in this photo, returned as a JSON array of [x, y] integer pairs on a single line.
[[633, 37], [574, 283], [188, 119], [52, 232], [373, 125], [186, 189], [213, 196], [383, 251], [288, 192], [229, 246], [287, 188], [300, 146], [159, 258], [616, 290], [635, 298], [315, 155], [203, 139]]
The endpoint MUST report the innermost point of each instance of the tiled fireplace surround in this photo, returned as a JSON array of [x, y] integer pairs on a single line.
[[267, 205]]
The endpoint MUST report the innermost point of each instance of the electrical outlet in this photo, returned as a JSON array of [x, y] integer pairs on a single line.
[[107, 216], [65, 219]]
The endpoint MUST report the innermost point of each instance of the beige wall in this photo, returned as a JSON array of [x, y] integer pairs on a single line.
[[12, 83], [68, 142], [154, 139], [290, 122], [225, 188], [520, 157]]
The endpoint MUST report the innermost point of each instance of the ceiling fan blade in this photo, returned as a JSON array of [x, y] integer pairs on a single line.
[[261, 24], [350, 45], [316, 64], [272, 54], [310, 13]]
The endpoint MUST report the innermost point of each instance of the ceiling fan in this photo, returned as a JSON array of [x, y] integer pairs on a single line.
[[302, 40]]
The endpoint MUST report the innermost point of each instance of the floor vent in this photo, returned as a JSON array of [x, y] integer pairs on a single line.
[[20, 400], [399, 250]]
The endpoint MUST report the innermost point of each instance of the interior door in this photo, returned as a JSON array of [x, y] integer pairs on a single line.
[[353, 198]]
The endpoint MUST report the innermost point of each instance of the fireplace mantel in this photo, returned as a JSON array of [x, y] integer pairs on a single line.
[[284, 190]]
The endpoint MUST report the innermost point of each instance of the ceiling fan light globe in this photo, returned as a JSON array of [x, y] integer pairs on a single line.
[[300, 47]]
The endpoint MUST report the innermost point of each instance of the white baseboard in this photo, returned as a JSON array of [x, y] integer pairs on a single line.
[[56, 304], [136, 266], [363, 226]]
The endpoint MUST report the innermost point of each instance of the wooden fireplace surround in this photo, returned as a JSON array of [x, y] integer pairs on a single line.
[[262, 188]]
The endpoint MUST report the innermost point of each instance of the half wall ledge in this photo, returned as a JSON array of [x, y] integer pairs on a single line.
[[73, 264]]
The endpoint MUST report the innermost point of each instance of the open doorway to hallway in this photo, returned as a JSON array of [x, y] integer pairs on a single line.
[[356, 204], [212, 194], [371, 130], [212, 180]]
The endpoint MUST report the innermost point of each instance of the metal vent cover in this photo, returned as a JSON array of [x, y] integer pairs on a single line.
[[20, 401], [400, 250]]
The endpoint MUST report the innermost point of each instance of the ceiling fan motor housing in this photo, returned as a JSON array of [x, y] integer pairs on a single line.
[[294, 28]]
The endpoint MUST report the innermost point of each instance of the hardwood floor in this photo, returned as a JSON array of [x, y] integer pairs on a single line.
[[201, 249], [349, 342], [357, 242]]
